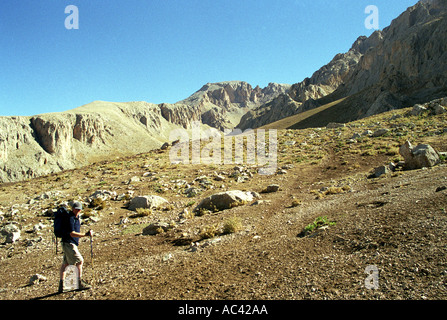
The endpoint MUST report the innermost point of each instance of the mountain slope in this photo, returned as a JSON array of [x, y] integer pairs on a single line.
[[409, 66], [302, 96], [403, 64], [223, 104], [396, 222], [48, 143]]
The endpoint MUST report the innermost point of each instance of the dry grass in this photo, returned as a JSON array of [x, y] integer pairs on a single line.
[[209, 231], [232, 225]]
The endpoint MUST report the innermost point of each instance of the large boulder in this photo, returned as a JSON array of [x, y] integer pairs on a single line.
[[147, 202], [419, 157], [226, 200]]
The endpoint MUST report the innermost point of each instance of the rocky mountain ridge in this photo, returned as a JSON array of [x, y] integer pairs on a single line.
[[302, 95], [396, 67], [222, 105], [49, 143]]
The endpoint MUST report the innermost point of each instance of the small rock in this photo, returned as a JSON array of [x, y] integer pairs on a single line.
[[439, 189], [103, 194], [156, 228], [36, 279], [417, 110], [192, 192], [148, 174], [219, 177], [380, 132], [333, 125], [367, 133], [380, 171], [165, 146], [11, 232], [167, 257], [133, 180], [38, 227], [271, 188]]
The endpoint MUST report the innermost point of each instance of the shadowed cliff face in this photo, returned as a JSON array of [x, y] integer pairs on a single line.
[[222, 105], [408, 66], [403, 64], [301, 96]]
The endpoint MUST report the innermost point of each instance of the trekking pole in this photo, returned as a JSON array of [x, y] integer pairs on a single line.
[[91, 248], [91, 254]]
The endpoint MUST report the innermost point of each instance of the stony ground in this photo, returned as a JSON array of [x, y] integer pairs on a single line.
[[395, 224]]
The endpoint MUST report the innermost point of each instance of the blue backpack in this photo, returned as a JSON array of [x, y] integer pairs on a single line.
[[61, 222]]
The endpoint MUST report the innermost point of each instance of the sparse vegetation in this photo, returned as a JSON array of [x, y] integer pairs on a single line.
[[272, 224], [209, 231], [318, 223], [232, 225], [296, 203], [98, 204], [142, 212]]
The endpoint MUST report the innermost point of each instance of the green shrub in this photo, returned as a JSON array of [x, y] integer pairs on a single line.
[[318, 223]]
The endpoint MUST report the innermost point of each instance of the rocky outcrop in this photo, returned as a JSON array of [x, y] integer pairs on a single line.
[[397, 67], [407, 66], [302, 96], [328, 78], [181, 114], [48, 143], [223, 104], [435, 107], [281, 107], [11, 232], [54, 134]]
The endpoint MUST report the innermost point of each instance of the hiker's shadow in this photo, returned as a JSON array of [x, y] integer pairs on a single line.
[[46, 296], [57, 293]]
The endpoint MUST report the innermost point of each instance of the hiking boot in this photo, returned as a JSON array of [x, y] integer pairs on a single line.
[[84, 285], [61, 287]]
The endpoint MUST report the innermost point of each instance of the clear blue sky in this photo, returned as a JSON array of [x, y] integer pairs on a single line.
[[165, 50]]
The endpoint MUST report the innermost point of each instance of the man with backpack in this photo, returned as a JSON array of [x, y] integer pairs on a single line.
[[70, 234]]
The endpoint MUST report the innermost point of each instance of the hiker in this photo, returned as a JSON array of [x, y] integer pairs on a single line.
[[70, 242]]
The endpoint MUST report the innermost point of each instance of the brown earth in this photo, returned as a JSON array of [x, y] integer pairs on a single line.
[[397, 223]]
